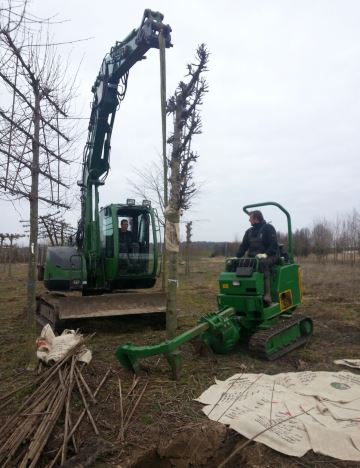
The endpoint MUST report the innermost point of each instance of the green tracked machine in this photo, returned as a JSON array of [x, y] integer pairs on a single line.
[[271, 330], [101, 264]]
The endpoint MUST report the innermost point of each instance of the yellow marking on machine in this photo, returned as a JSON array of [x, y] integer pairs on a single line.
[[285, 300]]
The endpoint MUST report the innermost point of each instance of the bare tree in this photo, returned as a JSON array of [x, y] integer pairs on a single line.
[[35, 134], [148, 185], [352, 227], [340, 238], [54, 230], [2, 250], [322, 239], [53, 227], [9, 248], [184, 107], [302, 242], [336, 230]]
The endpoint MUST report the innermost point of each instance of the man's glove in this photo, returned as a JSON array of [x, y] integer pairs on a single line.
[[260, 256]]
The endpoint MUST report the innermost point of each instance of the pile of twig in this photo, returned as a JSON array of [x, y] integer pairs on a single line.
[[25, 434], [133, 398]]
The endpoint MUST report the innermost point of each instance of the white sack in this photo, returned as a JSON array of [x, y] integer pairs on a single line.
[[51, 348]]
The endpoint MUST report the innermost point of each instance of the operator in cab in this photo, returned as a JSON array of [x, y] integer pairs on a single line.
[[260, 241], [125, 236]]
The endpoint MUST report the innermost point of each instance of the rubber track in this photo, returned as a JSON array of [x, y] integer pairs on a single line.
[[257, 343]]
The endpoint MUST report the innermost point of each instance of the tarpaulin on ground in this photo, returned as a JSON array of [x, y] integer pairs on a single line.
[[291, 412]]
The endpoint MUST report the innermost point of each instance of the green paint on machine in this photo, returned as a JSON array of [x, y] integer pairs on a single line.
[[104, 259], [271, 330]]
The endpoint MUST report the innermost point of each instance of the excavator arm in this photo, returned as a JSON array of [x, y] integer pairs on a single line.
[[106, 99], [115, 68]]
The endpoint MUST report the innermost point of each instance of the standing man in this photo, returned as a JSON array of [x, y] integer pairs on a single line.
[[260, 241]]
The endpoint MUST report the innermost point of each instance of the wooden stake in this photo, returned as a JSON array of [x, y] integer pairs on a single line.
[[134, 407], [90, 393], [80, 418], [121, 413], [86, 406]]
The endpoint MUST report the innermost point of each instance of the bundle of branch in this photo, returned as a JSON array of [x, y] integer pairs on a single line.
[[133, 399], [25, 434]]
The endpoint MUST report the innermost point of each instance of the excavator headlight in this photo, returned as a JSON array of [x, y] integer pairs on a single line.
[[146, 203], [130, 201]]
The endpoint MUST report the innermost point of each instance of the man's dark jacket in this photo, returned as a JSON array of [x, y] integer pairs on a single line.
[[260, 238], [125, 237]]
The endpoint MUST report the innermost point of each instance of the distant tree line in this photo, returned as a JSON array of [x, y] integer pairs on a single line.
[[337, 240], [209, 249], [17, 254]]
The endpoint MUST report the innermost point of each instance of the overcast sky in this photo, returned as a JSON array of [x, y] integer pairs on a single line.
[[281, 119]]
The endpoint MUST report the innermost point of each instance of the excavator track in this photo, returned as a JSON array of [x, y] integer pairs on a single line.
[[285, 336]]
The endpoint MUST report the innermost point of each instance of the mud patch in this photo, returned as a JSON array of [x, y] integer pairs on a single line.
[[206, 444]]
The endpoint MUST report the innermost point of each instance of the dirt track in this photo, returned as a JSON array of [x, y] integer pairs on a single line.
[[168, 427]]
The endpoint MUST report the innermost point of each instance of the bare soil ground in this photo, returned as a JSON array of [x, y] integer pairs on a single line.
[[168, 427]]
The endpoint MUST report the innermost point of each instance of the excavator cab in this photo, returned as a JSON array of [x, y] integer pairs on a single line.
[[128, 241]]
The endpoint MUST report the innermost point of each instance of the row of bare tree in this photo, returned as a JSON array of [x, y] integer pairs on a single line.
[[36, 135], [336, 240]]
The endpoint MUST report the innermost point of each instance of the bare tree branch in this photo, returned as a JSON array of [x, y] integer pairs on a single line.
[[34, 158], [183, 105]]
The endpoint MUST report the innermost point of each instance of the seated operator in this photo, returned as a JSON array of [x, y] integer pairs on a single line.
[[125, 237], [260, 241]]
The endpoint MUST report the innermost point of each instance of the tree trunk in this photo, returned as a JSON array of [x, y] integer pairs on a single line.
[[187, 252], [165, 163], [10, 257], [172, 218], [33, 243], [173, 241], [2, 254], [165, 272]]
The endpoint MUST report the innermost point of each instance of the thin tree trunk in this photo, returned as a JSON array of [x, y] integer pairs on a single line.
[[2, 253], [10, 257], [165, 163], [187, 252], [172, 219], [165, 272], [33, 243]]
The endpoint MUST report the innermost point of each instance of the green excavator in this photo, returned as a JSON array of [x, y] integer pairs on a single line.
[[271, 330], [102, 261]]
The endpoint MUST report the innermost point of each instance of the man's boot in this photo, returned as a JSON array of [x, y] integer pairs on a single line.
[[267, 295]]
